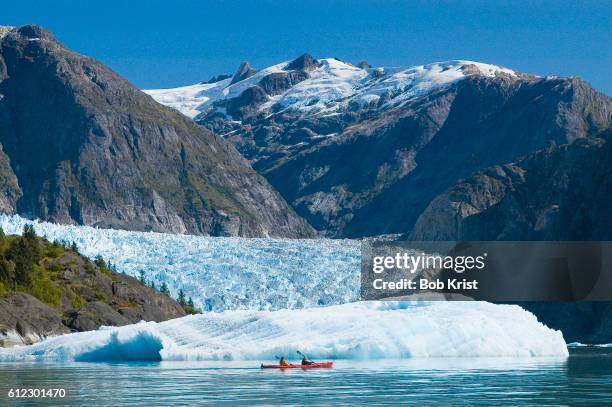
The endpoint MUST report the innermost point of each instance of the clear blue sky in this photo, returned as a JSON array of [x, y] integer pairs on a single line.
[[169, 43]]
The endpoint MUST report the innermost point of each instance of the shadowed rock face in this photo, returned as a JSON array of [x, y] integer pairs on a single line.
[[371, 170], [244, 71], [364, 64], [560, 193], [218, 78], [82, 145], [304, 62], [25, 320]]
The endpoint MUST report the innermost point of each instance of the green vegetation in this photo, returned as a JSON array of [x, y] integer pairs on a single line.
[[49, 271], [58, 275], [187, 305], [26, 265]]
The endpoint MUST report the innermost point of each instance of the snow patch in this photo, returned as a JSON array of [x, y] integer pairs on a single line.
[[4, 29]]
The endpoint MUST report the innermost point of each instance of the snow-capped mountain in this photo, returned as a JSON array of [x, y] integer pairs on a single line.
[[329, 86], [361, 151]]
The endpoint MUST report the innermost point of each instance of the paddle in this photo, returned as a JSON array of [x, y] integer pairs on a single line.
[[301, 354]]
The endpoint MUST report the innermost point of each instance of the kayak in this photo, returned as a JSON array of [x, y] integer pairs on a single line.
[[313, 366]]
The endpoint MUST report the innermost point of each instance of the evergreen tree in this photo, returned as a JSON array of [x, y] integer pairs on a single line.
[[164, 289], [181, 298], [100, 263], [25, 253], [190, 306], [7, 272], [142, 278], [29, 233], [153, 285]]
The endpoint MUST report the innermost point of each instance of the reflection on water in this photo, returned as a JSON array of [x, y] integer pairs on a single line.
[[586, 376]]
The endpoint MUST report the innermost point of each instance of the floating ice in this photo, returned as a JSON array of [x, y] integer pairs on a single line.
[[222, 273], [586, 345], [362, 330]]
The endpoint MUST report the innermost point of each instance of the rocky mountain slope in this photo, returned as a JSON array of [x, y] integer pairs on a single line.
[[49, 288], [81, 145], [361, 151], [559, 193]]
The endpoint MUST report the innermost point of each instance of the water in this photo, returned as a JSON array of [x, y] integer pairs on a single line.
[[583, 378]]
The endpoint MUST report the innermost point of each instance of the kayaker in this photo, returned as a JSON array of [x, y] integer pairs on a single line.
[[305, 361], [283, 362]]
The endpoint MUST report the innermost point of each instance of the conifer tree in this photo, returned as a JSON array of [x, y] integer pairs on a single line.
[[181, 298]]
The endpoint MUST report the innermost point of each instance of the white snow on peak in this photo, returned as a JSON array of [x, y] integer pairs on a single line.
[[4, 29], [190, 100], [333, 86], [362, 330], [194, 99]]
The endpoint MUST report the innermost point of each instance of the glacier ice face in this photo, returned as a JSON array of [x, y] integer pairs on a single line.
[[361, 330], [222, 273]]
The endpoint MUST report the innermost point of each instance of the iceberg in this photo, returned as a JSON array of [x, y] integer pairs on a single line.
[[361, 330], [221, 273]]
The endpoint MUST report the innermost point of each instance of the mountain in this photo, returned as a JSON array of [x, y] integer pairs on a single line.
[[81, 145], [362, 151], [48, 289], [558, 193]]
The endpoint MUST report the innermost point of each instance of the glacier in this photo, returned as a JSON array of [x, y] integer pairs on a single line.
[[273, 296], [360, 330], [221, 273]]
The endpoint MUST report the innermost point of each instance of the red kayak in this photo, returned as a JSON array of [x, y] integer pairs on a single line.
[[312, 366]]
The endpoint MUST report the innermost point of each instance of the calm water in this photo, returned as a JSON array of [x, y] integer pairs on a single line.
[[584, 378]]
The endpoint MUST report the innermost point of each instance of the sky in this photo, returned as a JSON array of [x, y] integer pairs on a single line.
[[160, 44]]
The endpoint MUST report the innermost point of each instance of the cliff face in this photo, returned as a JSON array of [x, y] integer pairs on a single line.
[[82, 145], [560, 193]]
